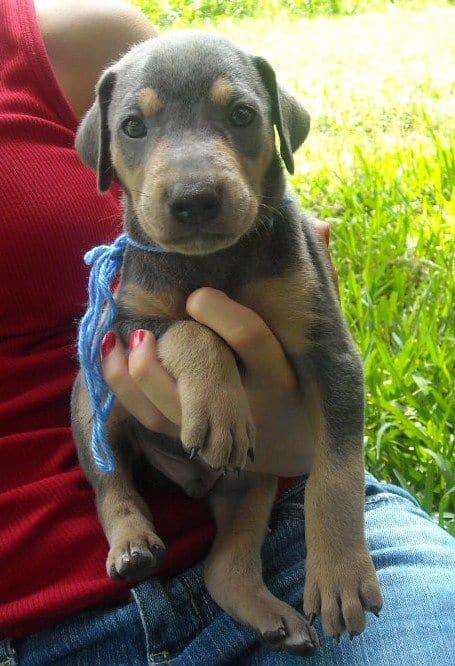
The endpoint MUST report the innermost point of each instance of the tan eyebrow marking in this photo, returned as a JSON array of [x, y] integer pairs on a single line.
[[148, 101], [221, 91]]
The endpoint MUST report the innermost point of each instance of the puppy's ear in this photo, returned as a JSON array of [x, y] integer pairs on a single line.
[[291, 119], [93, 136]]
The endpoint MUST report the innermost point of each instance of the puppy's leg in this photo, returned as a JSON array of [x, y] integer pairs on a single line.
[[135, 548], [216, 420], [233, 572], [340, 579]]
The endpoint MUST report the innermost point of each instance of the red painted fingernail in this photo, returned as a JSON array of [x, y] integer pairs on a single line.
[[107, 344], [136, 338]]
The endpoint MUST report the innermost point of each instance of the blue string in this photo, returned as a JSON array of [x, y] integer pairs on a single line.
[[106, 262]]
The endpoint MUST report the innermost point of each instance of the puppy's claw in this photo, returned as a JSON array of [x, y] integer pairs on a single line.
[[375, 611], [310, 648], [237, 471], [303, 648], [194, 451], [250, 454], [158, 551], [114, 574], [274, 636], [311, 618]]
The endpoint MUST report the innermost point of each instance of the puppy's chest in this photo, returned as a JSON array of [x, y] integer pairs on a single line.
[[271, 273], [283, 301]]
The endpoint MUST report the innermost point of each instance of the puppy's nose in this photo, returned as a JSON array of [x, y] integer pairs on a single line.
[[194, 202]]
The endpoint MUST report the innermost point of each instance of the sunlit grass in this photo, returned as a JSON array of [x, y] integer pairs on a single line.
[[167, 12], [380, 166]]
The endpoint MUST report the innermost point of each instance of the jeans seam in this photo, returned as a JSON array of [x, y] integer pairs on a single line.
[[386, 497], [192, 601], [144, 627]]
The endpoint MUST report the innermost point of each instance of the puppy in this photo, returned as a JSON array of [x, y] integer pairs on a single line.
[[186, 124]]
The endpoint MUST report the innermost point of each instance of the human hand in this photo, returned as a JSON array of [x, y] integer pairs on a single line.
[[150, 394]]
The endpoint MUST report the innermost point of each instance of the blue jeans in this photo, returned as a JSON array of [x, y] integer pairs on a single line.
[[177, 622]]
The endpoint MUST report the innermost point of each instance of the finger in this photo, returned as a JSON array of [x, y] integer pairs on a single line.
[[334, 276], [245, 332], [115, 370], [323, 229], [147, 372]]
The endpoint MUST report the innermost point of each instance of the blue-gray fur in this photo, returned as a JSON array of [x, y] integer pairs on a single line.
[[182, 68]]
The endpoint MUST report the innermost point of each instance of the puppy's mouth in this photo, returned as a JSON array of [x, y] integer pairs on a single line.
[[198, 243]]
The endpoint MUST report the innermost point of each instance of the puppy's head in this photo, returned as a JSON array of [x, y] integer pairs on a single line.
[[186, 123]]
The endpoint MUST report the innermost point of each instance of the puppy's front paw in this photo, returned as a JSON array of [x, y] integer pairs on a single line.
[[217, 425], [341, 590], [135, 556]]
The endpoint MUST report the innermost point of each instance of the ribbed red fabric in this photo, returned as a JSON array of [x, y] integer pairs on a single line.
[[52, 548]]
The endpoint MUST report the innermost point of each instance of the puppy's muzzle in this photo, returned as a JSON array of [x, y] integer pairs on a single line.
[[195, 203]]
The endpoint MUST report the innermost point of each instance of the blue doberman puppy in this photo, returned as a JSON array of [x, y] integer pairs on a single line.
[[186, 124]]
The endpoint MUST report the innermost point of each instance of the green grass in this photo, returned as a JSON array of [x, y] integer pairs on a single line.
[[189, 11], [380, 166]]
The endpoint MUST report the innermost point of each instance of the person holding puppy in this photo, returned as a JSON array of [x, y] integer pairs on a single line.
[[56, 602]]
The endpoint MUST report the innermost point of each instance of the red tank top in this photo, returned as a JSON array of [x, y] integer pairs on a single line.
[[52, 547]]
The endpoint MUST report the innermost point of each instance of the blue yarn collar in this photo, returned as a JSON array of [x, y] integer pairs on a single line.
[[151, 247], [106, 262]]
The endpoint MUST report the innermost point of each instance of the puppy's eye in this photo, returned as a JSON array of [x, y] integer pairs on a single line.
[[134, 127], [242, 116]]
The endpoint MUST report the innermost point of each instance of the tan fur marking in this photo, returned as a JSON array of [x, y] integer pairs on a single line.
[[132, 178], [251, 171], [255, 169], [284, 303], [221, 91], [144, 304], [149, 102], [145, 183]]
